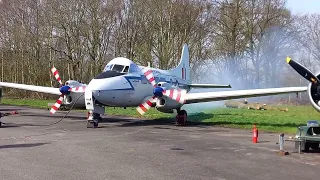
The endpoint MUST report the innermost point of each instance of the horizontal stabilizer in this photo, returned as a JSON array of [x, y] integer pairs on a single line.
[[209, 86]]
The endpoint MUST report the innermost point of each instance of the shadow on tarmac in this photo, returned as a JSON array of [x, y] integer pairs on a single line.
[[21, 145]]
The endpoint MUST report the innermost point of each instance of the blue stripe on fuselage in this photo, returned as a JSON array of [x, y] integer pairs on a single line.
[[157, 79]]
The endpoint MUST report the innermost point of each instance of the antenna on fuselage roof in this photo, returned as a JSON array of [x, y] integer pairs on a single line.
[[148, 64]]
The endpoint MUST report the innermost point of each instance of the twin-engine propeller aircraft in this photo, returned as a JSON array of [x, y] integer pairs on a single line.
[[125, 84]]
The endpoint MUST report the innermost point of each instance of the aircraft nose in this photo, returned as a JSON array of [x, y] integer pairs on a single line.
[[109, 84]]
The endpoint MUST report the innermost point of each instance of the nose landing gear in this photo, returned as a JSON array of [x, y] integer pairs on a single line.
[[93, 119]]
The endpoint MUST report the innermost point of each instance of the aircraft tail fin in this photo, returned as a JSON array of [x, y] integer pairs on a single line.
[[183, 68]]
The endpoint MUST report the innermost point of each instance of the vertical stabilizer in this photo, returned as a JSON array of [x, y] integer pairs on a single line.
[[183, 68]]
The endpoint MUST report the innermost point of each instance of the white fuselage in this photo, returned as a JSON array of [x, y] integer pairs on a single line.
[[127, 90]]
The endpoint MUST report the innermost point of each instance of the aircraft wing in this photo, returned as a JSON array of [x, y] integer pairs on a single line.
[[209, 86], [43, 89], [225, 95]]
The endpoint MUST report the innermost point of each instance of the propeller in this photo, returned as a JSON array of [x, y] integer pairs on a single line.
[[158, 92], [303, 71], [64, 89]]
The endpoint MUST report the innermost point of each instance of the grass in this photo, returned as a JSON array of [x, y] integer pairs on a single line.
[[268, 120]]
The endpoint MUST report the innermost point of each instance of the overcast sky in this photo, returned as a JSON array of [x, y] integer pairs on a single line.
[[304, 6]]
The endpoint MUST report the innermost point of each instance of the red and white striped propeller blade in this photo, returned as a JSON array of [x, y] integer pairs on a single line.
[[149, 75], [176, 94], [55, 72], [144, 107], [78, 89], [57, 105]]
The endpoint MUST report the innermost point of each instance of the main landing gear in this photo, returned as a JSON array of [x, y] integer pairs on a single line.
[[93, 119], [181, 118]]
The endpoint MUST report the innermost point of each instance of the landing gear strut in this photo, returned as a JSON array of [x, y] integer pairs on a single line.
[[181, 118], [93, 119]]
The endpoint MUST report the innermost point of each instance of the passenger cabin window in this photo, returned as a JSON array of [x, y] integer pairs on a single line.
[[133, 68]]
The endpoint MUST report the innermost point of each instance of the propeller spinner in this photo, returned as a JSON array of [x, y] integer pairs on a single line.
[[158, 92]]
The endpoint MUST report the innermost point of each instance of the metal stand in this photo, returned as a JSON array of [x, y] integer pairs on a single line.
[[299, 140], [281, 141]]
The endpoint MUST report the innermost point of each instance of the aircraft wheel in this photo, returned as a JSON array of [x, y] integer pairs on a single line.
[[95, 124], [314, 145], [181, 118], [307, 147], [92, 124]]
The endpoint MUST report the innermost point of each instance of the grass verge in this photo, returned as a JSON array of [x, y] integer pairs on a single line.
[[268, 120]]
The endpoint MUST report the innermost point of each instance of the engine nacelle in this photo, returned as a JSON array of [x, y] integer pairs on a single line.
[[166, 105], [161, 106], [73, 83], [313, 95], [71, 98]]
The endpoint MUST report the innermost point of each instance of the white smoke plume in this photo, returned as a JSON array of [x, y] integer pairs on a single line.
[[273, 52]]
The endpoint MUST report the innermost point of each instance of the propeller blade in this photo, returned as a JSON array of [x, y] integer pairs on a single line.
[[149, 75], [55, 72], [144, 107], [176, 94], [56, 106], [303, 71]]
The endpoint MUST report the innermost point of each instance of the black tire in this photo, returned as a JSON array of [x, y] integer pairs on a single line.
[[315, 146], [182, 112], [95, 124], [307, 146]]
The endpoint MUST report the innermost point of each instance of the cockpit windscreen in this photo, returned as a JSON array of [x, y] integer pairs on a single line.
[[116, 67]]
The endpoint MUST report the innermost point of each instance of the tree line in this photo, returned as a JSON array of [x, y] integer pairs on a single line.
[[242, 42]]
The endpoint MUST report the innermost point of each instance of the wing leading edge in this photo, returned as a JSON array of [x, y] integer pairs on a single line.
[[225, 95], [43, 89]]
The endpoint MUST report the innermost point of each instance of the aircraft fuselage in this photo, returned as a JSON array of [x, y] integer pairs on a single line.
[[127, 90]]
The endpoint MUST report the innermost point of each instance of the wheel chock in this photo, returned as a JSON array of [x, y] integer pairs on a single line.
[[282, 153]]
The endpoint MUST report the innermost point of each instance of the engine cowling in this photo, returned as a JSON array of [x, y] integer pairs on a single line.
[[73, 83], [314, 95], [162, 106], [71, 98], [166, 105]]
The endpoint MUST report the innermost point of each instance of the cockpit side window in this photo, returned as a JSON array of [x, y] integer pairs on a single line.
[[108, 67], [126, 69]]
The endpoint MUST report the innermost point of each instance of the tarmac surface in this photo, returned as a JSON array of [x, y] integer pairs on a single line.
[[125, 148]]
